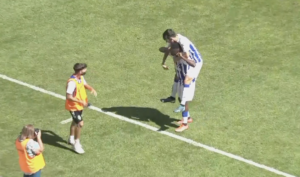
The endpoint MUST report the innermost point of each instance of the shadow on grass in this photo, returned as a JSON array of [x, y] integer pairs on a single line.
[[145, 114], [51, 138]]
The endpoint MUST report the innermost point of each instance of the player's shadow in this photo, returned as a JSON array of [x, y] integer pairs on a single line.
[[51, 138], [145, 114]]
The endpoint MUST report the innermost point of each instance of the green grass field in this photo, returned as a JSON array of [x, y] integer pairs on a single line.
[[247, 98]]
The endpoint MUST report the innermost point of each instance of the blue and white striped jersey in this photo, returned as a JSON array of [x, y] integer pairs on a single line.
[[182, 70], [188, 46]]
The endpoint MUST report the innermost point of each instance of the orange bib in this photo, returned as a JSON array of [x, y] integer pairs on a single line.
[[79, 93], [28, 164]]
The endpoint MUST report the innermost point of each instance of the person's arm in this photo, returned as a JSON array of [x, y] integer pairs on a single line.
[[90, 88], [186, 58], [166, 51], [185, 44], [166, 54], [40, 142], [35, 148]]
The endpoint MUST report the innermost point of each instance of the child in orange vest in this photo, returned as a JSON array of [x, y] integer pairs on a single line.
[[31, 159]]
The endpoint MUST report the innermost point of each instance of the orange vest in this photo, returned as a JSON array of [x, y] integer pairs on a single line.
[[29, 164], [79, 94]]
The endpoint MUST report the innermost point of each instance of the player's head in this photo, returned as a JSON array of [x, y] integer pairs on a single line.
[[170, 35], [27, 132], [80, 68], [175, 48]]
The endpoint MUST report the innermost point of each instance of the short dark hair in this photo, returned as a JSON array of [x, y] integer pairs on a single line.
[[176, 45], [79, 66], [175, 48], [168, 33]]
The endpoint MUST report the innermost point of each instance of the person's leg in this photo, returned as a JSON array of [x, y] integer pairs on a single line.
[[185, 114], [190, 98], [172, 98], [72, 133], [186, 118], [184, 122], [191, 76], [174, 88], [78, 131], [185, 94], [78, 121]]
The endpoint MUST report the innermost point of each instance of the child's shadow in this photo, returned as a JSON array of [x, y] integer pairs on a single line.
[[51, 138]]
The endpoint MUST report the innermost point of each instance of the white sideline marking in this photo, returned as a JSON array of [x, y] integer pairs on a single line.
[[189, 141], [66, 121]]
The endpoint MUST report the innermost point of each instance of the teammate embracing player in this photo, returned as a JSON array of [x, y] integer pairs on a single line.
[[188, 69]]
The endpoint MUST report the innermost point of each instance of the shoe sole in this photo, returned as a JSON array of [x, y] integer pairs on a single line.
[[163, 101], [181, 130], [178, 111], [78, 152], [71, 143]]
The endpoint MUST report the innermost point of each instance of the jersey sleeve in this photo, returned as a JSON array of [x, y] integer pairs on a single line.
[[84, 82], [185, 44], [71, 87]]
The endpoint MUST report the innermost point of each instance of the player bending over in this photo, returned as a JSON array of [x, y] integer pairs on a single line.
[[194, 60], [166, 51]]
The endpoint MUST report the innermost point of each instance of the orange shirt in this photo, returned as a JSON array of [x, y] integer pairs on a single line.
[[29, 164]]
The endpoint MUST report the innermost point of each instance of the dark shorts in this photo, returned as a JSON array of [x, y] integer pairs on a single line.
[[76, 116]]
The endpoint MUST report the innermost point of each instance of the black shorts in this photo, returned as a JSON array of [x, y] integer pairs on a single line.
[[77, 116]]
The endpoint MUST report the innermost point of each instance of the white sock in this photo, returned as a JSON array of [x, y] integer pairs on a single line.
[[185, 116], [185, 120], [71, 137], [174, 89], [77, 141], [186, 91]]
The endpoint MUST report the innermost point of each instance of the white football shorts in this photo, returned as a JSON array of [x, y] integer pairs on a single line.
[[191, 91], [194, 72]]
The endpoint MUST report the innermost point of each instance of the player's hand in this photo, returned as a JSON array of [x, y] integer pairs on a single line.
[[39, 134], [165, 67], [85, 104], [179, 54], [93, 91]]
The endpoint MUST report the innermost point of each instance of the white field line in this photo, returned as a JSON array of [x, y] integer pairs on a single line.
[[66, 121], [189, 141]]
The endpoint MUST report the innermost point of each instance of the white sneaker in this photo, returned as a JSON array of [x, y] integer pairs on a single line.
[[71, 141], [78, 148]]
